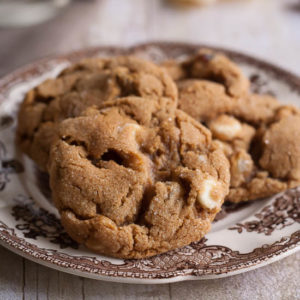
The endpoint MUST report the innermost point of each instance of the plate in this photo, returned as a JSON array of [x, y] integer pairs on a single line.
[[243, 237]]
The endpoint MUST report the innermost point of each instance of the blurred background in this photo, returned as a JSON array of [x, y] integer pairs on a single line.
[[31, 29]]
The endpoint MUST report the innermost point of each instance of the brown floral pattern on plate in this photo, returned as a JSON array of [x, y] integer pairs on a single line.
[[229, 208], [259, 85], [196, 259], [283, 212], [36, 222], [7, 167], [6, 121]]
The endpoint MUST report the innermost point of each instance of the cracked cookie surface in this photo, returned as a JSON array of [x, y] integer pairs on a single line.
[[128, 189], [90, 82]]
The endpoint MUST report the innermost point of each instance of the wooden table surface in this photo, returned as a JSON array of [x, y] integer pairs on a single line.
[[268, 29]]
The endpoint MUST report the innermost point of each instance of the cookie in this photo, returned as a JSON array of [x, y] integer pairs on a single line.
[[192, 2], [275, 161], [90, 82], [213, 66], [239, 126], [127, 188], [240, 122], [255, 154]]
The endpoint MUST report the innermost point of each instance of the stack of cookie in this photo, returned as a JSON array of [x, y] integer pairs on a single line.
[[141, 157]]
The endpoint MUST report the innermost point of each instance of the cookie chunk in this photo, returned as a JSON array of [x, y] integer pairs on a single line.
[[128, 189], [213, 66], [90, 82]]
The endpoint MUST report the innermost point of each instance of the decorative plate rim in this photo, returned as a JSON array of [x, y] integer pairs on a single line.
[[177, 278], [54, 259]]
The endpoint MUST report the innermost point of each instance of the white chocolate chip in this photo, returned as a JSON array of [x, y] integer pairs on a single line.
[[131, 128], [205, 195], [241, 166], [225, 128], [202, 158], [244, 165], [104, 110], [226, 148]]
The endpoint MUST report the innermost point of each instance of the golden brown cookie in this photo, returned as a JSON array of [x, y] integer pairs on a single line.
[[90, 82], [240, 122], [242, 144], [192, 2], [264, 159], [128, 189]]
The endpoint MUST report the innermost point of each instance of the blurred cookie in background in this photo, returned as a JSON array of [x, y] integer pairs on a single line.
[[192, 2]]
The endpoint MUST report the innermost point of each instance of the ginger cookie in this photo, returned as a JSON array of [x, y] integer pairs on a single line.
[[240, 122], [90, 82], [240, 131], [259, 156], [128, 188]]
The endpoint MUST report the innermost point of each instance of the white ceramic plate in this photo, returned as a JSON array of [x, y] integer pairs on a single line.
[[244, 237]]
